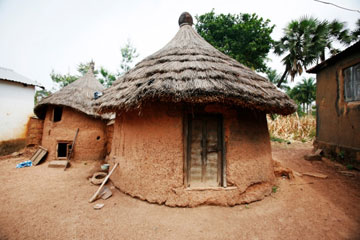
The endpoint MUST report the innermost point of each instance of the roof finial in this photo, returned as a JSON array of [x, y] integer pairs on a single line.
[[92, 66], [185, 19]]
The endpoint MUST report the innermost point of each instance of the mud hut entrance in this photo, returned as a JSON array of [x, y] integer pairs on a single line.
[[63, 149], [57, 114], [205, 151]]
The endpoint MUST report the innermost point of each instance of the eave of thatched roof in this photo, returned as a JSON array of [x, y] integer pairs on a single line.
[[188, 69], [77, 95]]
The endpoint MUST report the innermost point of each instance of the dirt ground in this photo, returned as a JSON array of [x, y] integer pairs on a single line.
[[49, 203]]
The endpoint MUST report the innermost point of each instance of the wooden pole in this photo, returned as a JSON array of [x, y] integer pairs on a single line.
[[102, 185], [71, 150]]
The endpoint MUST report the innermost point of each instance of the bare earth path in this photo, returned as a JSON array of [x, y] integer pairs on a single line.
[[45, 203]]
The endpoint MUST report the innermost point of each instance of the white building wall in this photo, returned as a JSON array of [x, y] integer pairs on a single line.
[[16, 106]]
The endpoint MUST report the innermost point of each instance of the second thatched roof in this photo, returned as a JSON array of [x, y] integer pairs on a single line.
[[77, 95], [188, 69]]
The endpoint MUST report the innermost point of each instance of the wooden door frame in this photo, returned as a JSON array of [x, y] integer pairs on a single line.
[[68, 144], [186, 146]]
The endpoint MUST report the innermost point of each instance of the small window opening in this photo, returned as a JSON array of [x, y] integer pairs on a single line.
[[352, 83], [98, 138], [57, 114], [63, 149]]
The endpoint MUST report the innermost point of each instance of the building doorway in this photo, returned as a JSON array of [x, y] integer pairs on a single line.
[[205, 144], [63, 149]]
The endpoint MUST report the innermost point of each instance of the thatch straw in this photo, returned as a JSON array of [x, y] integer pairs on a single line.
[[188, 69], [77, 95]]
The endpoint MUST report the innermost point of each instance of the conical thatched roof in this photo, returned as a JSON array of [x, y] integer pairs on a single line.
[[77, 95], [188, 69]]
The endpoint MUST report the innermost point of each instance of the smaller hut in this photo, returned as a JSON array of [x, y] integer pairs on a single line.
[[191, 126], [68, 110]]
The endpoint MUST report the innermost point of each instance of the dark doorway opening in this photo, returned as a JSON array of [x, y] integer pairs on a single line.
[[63, 149], [57, 114]]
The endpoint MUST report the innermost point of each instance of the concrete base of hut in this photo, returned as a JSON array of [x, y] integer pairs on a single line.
[[149, 147]]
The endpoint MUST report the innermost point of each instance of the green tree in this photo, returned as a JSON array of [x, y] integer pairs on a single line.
[[83, 68], [305, 42], [244, 37], [63, 79], [356, 33], [301, 44], [106, 78], [128, 54], [304, 93], [40, 94], [274, 78], [336, 32]]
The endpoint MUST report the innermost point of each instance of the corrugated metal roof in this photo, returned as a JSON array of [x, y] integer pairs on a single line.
[[11, 75]]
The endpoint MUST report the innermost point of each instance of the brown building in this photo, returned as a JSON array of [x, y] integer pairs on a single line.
[[191, 126], [338, 104], [68, 110]]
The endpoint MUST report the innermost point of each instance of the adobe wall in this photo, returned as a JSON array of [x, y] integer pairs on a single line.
[[35, 131], [338, 122], [109, 136], [150, 151], [90, 142]]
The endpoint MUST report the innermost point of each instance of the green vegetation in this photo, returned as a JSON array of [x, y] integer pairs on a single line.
[[341, 155], [128, 54], [244, 37], [276, 139], [306, 40], [105, 77], [274, 189], [274, 78], [304, 93], [349, 167]]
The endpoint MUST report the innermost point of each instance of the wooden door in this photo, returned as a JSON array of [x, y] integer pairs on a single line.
[[205, 141]]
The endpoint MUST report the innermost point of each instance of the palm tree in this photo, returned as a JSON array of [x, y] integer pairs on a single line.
[[302, 42], [274, 78], [304, 93], [337, 31], [305, 42], [356, 33]]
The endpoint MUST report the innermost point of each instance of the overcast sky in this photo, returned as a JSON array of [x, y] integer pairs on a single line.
[[38, 36]]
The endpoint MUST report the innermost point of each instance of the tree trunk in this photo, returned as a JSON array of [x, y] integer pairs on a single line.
[[282, 77], [322, 56]]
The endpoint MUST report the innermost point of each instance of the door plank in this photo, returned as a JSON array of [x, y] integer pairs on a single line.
[[204, 151]]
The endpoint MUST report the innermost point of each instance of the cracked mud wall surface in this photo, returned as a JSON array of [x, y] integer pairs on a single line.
[[149, 148], [337, 120], [35, 131], [91, 140]]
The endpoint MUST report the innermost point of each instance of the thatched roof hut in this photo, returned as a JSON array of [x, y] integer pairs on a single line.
[[68, 110], [189, 69], [191, 126], [77, 95]]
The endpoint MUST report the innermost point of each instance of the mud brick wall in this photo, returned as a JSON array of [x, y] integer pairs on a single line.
[[35, 131], [149, 148], [109, 137], [90, 142]]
